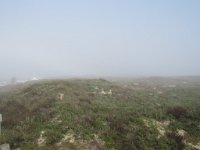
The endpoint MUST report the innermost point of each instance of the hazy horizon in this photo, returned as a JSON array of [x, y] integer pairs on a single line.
[[113, 38]]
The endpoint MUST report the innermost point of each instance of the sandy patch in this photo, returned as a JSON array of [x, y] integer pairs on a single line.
[[160, 126], [41, 140]]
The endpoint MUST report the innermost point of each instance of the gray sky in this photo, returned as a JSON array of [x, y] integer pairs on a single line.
[[48, 38]]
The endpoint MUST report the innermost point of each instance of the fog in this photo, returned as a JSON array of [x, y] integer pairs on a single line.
[[48, 38]]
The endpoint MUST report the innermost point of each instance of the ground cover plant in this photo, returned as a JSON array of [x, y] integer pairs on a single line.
[[128, 114]]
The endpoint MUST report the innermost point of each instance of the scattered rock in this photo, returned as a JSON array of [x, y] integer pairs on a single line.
[[151, 94], [158, 104], [159, 125], [197, 147], [69, 137], [106, 92], [181, 132], [110, 92], [160, 92], [60, 96], [56, 119], [103, 92], [96, 88]]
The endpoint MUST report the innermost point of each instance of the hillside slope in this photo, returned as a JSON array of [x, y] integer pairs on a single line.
[[99, 114]]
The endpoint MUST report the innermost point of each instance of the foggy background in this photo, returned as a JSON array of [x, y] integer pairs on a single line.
[[60, 38]]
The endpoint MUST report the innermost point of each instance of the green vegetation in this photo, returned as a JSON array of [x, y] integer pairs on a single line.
[[132, 116]]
